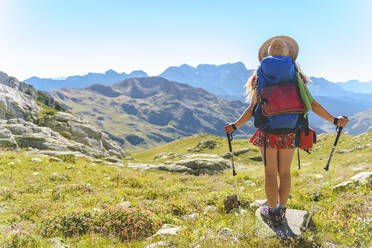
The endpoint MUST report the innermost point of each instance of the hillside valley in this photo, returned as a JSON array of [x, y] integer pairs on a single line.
[[141, 113]]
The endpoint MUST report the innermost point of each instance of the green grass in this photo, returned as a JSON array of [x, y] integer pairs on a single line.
[[33, 194]]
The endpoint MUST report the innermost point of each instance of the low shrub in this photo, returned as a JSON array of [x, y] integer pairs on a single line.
[[68, 224], [127, 224], [19, 239]]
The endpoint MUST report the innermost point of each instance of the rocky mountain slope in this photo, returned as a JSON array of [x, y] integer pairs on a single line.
[[143, 112], [30, 119]]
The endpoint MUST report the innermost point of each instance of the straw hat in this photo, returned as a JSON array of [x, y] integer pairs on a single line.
[[291, 44]]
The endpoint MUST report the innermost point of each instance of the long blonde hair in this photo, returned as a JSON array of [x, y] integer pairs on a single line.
[[251, 84]]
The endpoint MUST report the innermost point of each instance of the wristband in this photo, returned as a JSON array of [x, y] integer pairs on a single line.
[[335, 121], [233, 126]]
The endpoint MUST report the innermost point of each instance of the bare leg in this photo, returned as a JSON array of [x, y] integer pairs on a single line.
[[285, 159], [271, 172]]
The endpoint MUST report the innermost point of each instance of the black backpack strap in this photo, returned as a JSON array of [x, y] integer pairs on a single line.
[[265, 143]]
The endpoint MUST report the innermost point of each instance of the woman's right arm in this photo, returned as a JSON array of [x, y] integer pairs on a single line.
[[322, 112]]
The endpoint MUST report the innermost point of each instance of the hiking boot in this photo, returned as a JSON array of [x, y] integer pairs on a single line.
[[273, 217], [282, 211]]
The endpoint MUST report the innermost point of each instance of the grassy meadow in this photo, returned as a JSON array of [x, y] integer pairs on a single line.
[[84, 202]]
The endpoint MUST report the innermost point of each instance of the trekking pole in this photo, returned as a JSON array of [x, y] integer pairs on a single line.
[[326, 168], [230, 138]]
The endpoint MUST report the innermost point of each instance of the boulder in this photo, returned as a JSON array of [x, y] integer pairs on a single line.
[[201, 166], [210, 210], [160, 244], [194, 166], [125, 204], [230, 202], [190, 217], [256, 158], [361, 178], [58, 243], [168, 229], [8, 143], [167, 155], [36, 160], [227, 234], [236, 153], [205, 144]]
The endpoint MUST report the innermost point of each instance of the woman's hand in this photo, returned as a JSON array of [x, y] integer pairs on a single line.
[[229, 128], [342, 121]]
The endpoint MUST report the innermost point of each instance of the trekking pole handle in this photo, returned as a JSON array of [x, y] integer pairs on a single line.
[[339, 130], [229, 138]]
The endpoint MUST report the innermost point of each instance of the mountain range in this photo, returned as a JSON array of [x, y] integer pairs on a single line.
[[227, 81], [142, 112], [78, 81]]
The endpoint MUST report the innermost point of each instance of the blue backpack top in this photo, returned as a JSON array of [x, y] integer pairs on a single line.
[[275, 70]]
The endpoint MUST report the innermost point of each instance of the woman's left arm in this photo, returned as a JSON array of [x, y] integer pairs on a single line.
[[246, 116]]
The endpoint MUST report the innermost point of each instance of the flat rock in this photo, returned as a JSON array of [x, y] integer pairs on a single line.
[[193, 216], [237, 153], [160, 244], [210, 210], [125, 204], [58, 243], [256, 158], [194, 166], [296, 219], [227, 234], [36, 160], [168, 229]]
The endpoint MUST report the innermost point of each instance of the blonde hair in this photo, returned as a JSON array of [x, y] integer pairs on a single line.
[[251, 85]]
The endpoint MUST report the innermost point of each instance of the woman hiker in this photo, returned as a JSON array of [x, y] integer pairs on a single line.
[[281, 52]]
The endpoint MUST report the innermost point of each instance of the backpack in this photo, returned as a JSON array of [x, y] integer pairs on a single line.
[[279, 109]]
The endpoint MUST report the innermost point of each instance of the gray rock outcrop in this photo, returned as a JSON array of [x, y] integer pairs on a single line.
[[194, 166], [31, 119], [160, 244], [361, 178], [169, 230]]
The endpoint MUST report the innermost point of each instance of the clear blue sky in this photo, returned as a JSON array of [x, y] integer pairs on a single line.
[[52, 38]]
